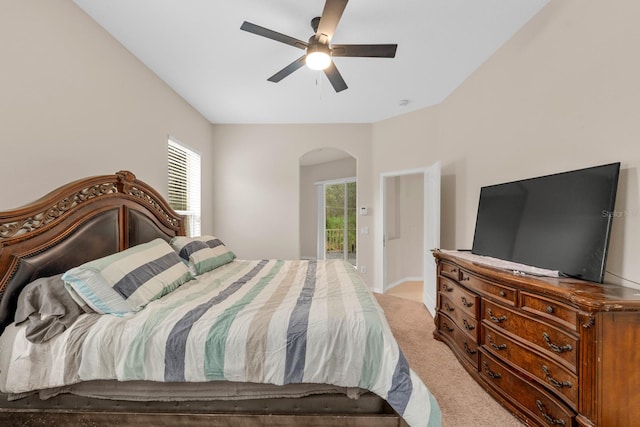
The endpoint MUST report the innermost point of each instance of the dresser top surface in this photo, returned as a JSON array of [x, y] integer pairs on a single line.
[[587, 295]]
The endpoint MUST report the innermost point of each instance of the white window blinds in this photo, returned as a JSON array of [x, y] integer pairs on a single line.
[[184, 184]]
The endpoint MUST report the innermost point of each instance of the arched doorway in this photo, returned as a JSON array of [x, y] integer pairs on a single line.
[[328, 214]]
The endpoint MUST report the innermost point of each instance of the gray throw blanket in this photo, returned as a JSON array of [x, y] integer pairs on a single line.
[[47, 308]]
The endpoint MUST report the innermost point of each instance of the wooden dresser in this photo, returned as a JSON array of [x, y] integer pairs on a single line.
[[555, 352]]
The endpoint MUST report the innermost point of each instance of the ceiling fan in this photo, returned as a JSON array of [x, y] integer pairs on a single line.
[[319, 50]]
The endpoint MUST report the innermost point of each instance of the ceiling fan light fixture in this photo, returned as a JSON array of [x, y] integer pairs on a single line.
[[318, 56], [319, 51]]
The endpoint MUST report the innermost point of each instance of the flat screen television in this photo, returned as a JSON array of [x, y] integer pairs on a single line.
[[557, 222]]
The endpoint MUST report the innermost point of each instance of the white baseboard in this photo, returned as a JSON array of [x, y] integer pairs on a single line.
[[431, 305]]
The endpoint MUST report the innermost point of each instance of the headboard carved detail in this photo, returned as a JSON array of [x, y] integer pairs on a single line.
[[127, 184], [37, 216], [153, 202], [39, 220]]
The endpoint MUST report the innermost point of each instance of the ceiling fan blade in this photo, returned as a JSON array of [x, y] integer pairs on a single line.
[[335, 78], [273, 35], [331, 15], [287, 70], [364, 50]]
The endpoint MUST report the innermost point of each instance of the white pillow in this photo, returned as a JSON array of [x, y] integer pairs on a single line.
[[203, 253], [127, 281]]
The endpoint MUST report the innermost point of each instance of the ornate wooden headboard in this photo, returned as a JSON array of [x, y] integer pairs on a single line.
[[78, 222]]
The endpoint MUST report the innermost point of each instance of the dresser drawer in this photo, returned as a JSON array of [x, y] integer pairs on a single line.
[[463, 319], [552, 375], [466, 300], [550, 309], [464, 345], [527, 396], [558, 344], [502, 293], [449, 270]]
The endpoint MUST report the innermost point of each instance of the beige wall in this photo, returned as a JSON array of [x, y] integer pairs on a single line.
[[561, 95], [75, 103], [405, 143], [257, 184]]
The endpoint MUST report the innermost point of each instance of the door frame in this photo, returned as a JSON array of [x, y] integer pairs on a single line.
[[321, 214], [431, 230]]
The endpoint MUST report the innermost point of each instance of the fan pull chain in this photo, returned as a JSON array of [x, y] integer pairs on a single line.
[[319, 84]]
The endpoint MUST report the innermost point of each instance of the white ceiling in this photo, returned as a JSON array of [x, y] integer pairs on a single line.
[[197, 48]]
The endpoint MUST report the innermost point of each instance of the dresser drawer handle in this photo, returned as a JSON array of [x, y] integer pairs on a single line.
[[502, 294], [446, 327], [468, 350], [554, 381], [465, 302], [448, 307], [554, 347], [495, 319], [494, 375], [549, 309], [494, 345], [446, 288], [468, 326], [549, 418]]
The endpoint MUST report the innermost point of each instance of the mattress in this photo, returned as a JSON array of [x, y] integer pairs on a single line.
[[267, 322]]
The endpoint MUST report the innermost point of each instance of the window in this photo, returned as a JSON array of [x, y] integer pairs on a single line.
[[184, 185], [337, 220]]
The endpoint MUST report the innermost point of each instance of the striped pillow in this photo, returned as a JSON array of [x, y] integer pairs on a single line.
[[204, 253], [127, 281]]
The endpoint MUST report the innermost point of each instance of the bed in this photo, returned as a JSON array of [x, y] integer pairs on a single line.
[[203, 339]]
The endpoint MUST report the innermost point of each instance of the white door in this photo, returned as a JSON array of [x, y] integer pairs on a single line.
[[431, 232]]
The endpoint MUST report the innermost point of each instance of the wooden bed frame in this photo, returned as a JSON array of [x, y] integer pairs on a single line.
[[97, 216]]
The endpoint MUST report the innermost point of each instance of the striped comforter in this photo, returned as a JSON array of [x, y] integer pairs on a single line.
[[268, 321]]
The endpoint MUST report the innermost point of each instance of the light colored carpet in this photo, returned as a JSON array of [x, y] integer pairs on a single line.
[[462, 401]]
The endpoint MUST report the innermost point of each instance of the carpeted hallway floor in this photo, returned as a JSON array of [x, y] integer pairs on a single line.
[[462, 401]]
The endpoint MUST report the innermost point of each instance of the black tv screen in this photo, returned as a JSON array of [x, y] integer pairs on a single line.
[[557, 222]]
